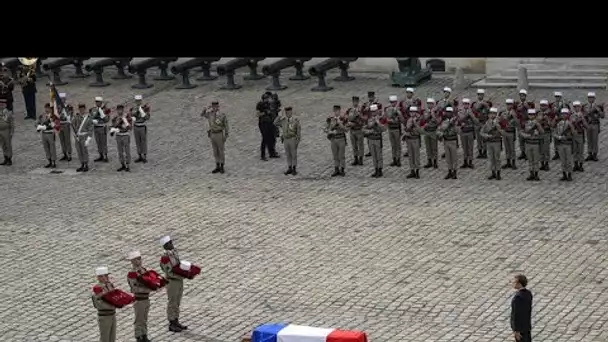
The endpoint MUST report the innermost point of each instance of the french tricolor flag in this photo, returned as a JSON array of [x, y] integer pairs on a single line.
[[301, 333]]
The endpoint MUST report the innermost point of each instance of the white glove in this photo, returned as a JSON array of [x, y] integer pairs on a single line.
[[86, 142], [40, 128], [95, 122], [143, 115], [114, 130]]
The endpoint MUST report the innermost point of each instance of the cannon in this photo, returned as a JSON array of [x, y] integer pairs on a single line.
[[121, 63], [11, 64], [229, 68], [274, 70], [410, 73], [300, 76], [39, 72], [320, 70], [183, 68], [206, 69], [140, 68], [98, 66], [78, 63], [54, 65]]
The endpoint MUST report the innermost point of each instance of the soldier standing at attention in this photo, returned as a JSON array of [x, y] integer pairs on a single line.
[[578, 140], [412, 140], [142, 297], [546, 121], [140, 114], [121, 127], [290, 130], [83, 125], [448, 132], [492, 133], [481, 109], [7, 129], [373, 131], [218, 133], [446, 102], [175, 285], [355, 126], [593, 112], [65, 133], [100, 119], [27, 80], [7, 85], [106, 313], [371, 100], [533, 132], [556, 108], [432, 120], [48, 123], [467, 122], [564, 131], [336, 132], [409, 101], [395, 119], [522, 107], [509, 123]]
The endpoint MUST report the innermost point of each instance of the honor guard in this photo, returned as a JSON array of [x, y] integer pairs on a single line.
[[371, 100], [446, 102], [411, 136], [106, 312], [409, 101], [492, 132], [140, 114], [448, 132], [593, 112], [7, 85], [142, 297], [335, 129], [481, 110], [510, 124], [545, 118], [578, 140], [431, 120], [532, 133], [395, 119], [217, 133], [65, 132], [290, 136], [466, 123], [376, 124], [556, 107], [355, 125], [563, 134], [27, 80], [521, 107], [7, 129], [121, 127], [48, 123], [175, 285], [82, 124], [101, 116]]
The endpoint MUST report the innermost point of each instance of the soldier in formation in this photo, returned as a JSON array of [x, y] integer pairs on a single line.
[[373, 130], [7, 85], [121, 128], [467, 122], [448, 133], [336, 128], [140, 114], [593, 112], [268, 110], [101, 117], [411, 136], [533, 134], [481, 108], [27, 80], [106, 313], [290, 136], [432, 119], [578, 140], [556, 107], [217, 132], [563, 137], [510, 125], [47, 124], [395, 120], [355, 124], [82, 124], [65, 132], [141, 307], [175, 285], [7, 130], [521, 107], [491, 133], [371, 100]]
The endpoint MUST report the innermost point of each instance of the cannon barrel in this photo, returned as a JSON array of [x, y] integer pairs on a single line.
[[279, 65], [11, 63], [122, 61], [101, 63], [57, 63], [235, 64], [148, 63], [329, 64], [191, 63]]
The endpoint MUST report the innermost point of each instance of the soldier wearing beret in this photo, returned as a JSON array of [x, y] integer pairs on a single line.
[[290, 136], [7, 130], [218, 133]]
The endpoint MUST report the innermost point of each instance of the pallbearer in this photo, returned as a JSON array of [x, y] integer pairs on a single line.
[[83, 126], [492, 133], [509, 123], [448, 132], [218, 133], [563, 134], [140, 114], [290, 136], [106, 299], [121, 127], [101, 116], [395, 119], [7, 129], [593, 112]]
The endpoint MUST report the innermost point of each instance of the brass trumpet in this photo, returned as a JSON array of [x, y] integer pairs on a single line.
[[29, 64]]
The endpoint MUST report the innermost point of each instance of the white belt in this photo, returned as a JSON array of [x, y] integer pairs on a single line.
[[140, 124], [127, 133], [48, 131], [83, 133]]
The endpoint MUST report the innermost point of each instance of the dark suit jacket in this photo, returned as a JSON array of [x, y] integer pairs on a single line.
[[521, 311]]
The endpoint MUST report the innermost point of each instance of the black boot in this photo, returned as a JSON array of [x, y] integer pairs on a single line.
[[479, 154], [181, 326], [375, 174], [336, 172], [507, 165], [398, 162], [428, 164], [484, 155], [146, 339], [140, 339], [394, 163], [368, 154], [9, 162], [465, 164], [536, 176], [589, 157], [545, 166], [289, 171], [522, 156], [555, 156], [274, 155], [417, 174], [145, 159], [449, 176], [513, 166], [380, 172], [105, 159], [580, 167], [569, 176], [65, 157], [222, 168], [139, 159], [498, 175], [127, 168], [174, 327], [217, 168], [263, 157], [81, 168], [530, 177], [594, 157], [122, 168], [100, 158], [342, 173], [493, 176], [86, 167], [454, 176], [435, 166], [53, 164], [443, 156], [412, 174], [564, 176], [69, 158], [5, 162], [49, 165], [471, 164], [293, 171], [355, 161]]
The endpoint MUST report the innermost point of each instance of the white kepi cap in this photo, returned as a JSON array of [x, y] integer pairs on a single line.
[[531, 111], [448, 89], [557, 93], [98, 99], [565, 110], [576, 103], [99, 271], [413, 109], [523, 91], [591, 94], [509, 101], [138, 97], [392, 98], [544, 102], [493, 110], [373, 107], [63, 95], [430, 100], [185, 265], [164, 240], [466, 101], [133, 255], [409, 90], [449, 109], [481, 91]]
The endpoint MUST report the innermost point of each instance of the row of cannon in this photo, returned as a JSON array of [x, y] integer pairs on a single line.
[[184, 68]]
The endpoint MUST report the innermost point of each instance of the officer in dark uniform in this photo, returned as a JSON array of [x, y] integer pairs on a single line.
[[7, 85], [268, 110], [27, 79]]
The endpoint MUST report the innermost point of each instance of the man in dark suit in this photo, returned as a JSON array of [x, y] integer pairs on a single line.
[[521, 310]]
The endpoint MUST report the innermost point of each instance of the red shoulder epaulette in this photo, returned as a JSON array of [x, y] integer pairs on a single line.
[[132, 275], [164, 259], [97, 289]]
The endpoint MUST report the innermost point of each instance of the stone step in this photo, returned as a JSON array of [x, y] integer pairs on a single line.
[[548, 79], [558, 72], [507, 84]]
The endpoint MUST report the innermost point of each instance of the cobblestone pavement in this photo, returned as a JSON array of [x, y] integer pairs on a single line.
[[424, 260]]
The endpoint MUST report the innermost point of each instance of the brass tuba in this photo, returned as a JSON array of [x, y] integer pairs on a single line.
[[29, 62]]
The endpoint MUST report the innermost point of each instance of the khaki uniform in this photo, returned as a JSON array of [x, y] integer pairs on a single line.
[[84, 130], [142, 301], [395, 119], [367, 115], [175, 285], [578, 140], [556, 107], [412, 140], [467, 122], [448, 132], [290, 134], [373, 132], [491, 134], [522, 116], [106, 313], [218, 133], [533, 134], [100, 119], [336, 133], [140, 130], [48, 137], [7, 129], [563, 135], [123, 138], [593, 113], [65, 133], [355, 125], [431, 123], [509, 119], [481, 110], [545, 142]]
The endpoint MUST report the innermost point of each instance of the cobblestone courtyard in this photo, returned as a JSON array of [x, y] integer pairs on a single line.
[[404, 260]]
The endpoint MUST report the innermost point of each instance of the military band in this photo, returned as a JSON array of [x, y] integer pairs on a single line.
[[355, 123], [563, 137], [82, 124], [481, 108], [432, 120], [217, 133], [140, 114], [336, 128], [466, 123], [47, 124], [121, 128], [7, 130], [448, 133], [373, 130], [290, 136], [491, 134], [510, 124], [395, 121], [411, 135], [101, 116]]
